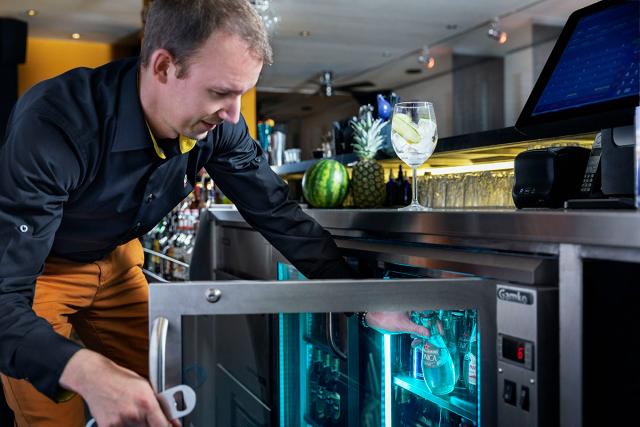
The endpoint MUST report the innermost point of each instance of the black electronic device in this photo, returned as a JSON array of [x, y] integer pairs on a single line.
[[608, 178], [591, 186], [590, 83], [548, 177]]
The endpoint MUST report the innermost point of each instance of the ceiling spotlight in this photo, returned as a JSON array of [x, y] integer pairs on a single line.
[[32, 12], [426, 59], [326, 81], [75, 36], [496, 33]]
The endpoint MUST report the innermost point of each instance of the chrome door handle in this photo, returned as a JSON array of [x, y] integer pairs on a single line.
[[157, 351]]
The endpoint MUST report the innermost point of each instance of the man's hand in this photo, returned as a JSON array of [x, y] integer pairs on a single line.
[[395, 322], [116, 396]]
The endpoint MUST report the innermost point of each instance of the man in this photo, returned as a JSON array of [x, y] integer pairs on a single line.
[[91, 161]]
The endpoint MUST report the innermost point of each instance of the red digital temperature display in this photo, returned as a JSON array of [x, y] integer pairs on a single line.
[[513, 349]]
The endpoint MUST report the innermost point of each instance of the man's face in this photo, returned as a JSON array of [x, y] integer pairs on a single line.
[[218, 74]]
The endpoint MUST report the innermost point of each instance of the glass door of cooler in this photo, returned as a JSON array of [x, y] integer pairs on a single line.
[[388, 380], [331, 370]]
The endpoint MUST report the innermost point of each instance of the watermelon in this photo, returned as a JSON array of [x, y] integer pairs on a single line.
[[326, 184]]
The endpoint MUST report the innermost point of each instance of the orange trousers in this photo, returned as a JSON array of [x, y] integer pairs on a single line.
[[105, 302]]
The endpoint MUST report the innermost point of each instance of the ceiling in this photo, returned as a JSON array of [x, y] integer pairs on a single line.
[[356, 39]]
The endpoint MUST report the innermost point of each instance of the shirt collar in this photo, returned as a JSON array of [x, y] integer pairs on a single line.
[[131, 128], [185, 144]]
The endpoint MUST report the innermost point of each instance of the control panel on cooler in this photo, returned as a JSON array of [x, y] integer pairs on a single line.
[[527, 351]]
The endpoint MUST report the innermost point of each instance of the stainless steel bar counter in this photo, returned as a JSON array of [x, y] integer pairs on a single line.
[[584, 255], [619, 229]]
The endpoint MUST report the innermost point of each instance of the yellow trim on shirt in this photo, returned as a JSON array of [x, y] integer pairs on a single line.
[[186, 144]]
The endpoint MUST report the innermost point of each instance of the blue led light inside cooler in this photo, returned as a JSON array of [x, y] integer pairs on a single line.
[[281, 363], [288, 272], [479, 372], [386, 384]]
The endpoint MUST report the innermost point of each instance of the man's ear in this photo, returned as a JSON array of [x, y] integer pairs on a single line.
[[161, 65]]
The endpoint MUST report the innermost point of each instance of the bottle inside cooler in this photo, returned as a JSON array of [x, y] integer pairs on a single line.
[[326, 391], [435, 378]]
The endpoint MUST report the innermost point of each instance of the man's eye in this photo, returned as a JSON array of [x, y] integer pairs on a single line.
[[217, 93]]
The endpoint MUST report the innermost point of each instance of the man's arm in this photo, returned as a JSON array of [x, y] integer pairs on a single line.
[[38, 167], [243, 174]]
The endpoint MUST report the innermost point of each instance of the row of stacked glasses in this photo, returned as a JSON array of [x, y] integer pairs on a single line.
[[467, 190]]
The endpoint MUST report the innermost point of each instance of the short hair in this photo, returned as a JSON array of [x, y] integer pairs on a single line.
[[182, 27]]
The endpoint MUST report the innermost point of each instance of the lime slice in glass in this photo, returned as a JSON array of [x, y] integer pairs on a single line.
[[402, 125]]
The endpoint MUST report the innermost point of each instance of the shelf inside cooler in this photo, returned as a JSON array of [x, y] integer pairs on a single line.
[[450, 402]]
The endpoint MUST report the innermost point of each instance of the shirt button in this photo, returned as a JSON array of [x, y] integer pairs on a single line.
[[150, 197], [24, 228], [138, 224]]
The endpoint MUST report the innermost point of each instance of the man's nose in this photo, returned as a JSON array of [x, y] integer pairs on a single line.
[[231, 111]]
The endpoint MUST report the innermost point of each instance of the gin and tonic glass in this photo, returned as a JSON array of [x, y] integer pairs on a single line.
[[414, 135]]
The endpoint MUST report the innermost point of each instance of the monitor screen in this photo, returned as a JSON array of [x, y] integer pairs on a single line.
[[593, 67]]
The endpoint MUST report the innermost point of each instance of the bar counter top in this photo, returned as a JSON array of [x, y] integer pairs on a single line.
[[545, 228]]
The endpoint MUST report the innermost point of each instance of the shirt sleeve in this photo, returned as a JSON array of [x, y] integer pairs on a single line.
[[38, 167], [238, 166]]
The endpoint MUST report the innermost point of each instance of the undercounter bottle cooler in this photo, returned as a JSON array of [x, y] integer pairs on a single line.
[[293, 352]]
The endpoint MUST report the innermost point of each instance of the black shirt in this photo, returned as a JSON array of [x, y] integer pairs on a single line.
[[79, 176]]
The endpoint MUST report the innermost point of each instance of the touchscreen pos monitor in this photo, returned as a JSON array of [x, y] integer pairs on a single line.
[[591, 79]]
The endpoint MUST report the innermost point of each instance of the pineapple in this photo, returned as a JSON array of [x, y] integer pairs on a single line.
[[367, 177]]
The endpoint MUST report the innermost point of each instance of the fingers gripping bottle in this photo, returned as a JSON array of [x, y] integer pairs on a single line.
[[437, 365]]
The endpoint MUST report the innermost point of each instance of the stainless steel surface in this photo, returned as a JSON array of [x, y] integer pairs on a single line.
[[571, 345], [528, 247], [528, 314], [157, 353], [527, 269], [598, 228], [173, 301], [516, 312], [244, 253], [204, 256]]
